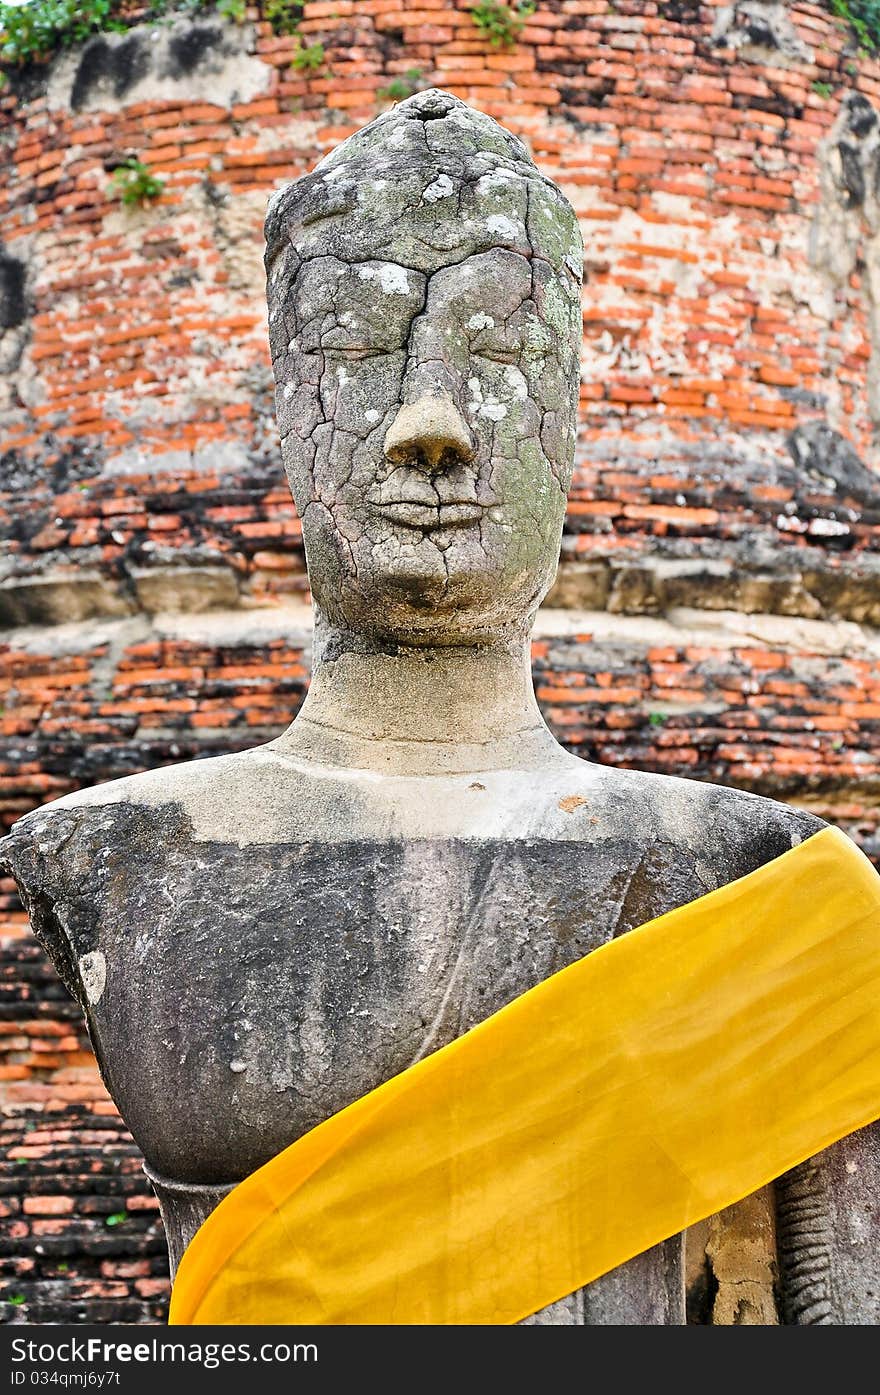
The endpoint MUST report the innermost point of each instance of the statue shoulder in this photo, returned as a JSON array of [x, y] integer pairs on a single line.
[[64, 855], [763, 828], [741, 831], [728, 832]]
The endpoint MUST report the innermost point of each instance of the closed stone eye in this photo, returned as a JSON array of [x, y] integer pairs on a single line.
[[498, 355], [357, 351]]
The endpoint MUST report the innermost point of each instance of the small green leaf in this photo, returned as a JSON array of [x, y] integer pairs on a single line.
[[283, 15], [232, 9], [500, 24], [117, 1218], [399, 88], [308, 58], [134, 183], [863, 18]]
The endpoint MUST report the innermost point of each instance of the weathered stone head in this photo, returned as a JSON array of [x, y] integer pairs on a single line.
[[425, 323]]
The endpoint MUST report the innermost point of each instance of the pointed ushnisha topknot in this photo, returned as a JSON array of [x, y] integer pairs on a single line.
[[434, 181]]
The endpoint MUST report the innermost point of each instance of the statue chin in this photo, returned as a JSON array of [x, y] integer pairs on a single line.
[[413, 608]]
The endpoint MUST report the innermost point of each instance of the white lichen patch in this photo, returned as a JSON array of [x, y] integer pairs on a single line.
[[535, 368], [485, 404], [93, 972], [860, 1228], [501, 226], [237, 1066], [481, 321], [440, 189], [516, 380], [495, 179], [371, 415], [392, 279]]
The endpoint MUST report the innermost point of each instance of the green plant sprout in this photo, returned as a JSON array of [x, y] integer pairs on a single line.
[[39, 28], [36, 29], [308, 58], [500, 24], [863, 17], [134, 183], [399, 88], [283, 15]]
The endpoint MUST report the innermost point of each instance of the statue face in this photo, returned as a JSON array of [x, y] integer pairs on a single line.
[[427, 420]]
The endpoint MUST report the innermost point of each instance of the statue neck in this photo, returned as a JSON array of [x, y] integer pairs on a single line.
[[429, 710]]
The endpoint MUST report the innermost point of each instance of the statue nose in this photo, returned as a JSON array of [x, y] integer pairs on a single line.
[[428, 429]]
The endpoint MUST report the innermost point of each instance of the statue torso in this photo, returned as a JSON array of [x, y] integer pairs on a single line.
[[272, 964], [276, 945]]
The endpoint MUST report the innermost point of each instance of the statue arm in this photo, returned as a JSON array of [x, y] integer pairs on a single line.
[[828, 1235], [828, 1218]]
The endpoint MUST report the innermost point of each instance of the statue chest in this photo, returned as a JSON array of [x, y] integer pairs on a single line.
[[242, 995]]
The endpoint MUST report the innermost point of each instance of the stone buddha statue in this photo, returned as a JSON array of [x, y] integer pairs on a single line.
[[259, 939]]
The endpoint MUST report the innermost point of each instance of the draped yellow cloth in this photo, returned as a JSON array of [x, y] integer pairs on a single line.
[[659, 1079]]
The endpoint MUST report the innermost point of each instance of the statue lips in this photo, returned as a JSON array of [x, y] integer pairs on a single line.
[[416, 514]]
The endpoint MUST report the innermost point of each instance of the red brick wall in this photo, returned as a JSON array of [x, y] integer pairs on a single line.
[[80, 1238], [716, 604]]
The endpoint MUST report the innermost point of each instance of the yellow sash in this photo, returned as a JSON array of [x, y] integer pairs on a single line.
[[659, 1079]]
